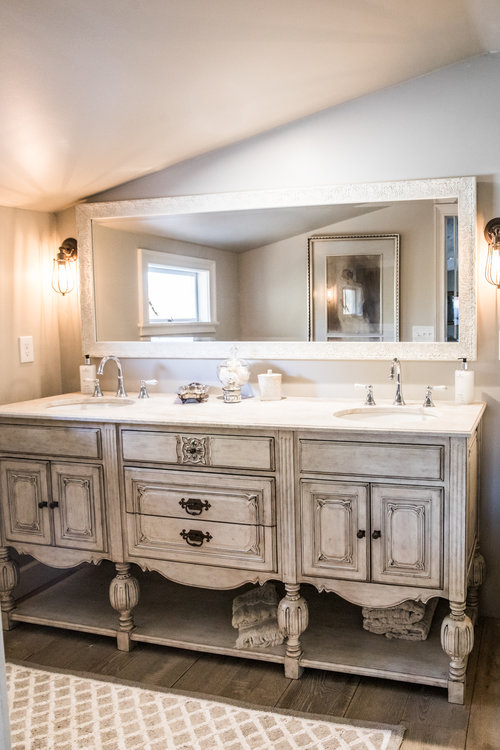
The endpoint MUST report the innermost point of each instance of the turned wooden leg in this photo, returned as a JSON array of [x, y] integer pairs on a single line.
[[9, 577], [457, 640], [124, 596], [293, 618], [476, 577]]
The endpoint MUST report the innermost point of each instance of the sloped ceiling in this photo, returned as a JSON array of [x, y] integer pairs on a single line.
[[94, 93]]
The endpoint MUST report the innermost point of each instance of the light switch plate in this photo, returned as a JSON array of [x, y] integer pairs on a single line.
[[26, 352]]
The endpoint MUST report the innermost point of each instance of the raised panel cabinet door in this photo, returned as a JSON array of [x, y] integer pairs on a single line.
[[407, 535], [25, 499], [334, 530], [77, 504]]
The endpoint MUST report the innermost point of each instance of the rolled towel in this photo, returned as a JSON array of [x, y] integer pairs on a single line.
[[254, 606], [261, 634]]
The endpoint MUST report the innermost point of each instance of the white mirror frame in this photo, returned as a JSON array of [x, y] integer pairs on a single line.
[[461, 188]]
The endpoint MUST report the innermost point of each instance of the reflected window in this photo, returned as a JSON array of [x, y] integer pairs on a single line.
[[177, 295], [451, 255]]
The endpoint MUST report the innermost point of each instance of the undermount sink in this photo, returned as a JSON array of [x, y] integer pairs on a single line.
[[390, 415], [85, 403]]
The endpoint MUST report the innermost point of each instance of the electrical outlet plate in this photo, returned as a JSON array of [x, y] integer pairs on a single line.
[[26, 353], [423, 333]]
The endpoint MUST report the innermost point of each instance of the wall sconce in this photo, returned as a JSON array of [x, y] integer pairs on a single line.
[[64, 267], [492, 234]]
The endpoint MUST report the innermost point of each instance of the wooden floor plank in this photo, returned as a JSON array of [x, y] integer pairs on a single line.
[[378, 700], [433, 737], [484, 724], [24, 640], [262, 683], [320, 692], [150, 665]]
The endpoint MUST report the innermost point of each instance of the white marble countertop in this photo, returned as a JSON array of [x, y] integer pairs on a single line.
[[297, 413]]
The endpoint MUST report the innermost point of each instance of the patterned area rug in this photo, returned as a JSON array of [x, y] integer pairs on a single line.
[[57, 711]]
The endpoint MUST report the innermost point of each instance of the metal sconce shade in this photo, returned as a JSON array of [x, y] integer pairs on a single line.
[[492, 235], [63, 271]]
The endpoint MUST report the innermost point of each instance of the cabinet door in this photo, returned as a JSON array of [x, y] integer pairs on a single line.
[[77, 496], [25, 497], [334, 530], [407, 535]]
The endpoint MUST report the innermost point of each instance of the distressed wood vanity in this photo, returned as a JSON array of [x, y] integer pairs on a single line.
[[191, 502]]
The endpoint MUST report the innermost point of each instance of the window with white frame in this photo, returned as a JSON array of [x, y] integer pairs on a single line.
[[176, 295]]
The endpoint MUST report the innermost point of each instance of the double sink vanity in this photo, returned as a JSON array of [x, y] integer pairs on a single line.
[[342, 505]]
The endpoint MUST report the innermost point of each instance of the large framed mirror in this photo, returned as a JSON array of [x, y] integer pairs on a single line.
[[191, 276]]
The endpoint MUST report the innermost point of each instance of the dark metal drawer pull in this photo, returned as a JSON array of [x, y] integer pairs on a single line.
[[43, 504], [54, 504], [376, 534], [194, 506], [361, 534], [195, 537]]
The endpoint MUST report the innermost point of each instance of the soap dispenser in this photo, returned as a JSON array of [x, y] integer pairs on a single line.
[[87, 376], [464, 383]]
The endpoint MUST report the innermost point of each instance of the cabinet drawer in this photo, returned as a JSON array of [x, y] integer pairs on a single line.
[[70, 442], [385, 460], [211, 497], [224, 451], [204, 542]]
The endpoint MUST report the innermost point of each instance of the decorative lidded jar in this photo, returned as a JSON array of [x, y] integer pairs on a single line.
[[233, 373]]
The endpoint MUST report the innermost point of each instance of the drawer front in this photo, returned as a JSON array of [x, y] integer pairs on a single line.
[[211, 497], [334, 530], [223, 451], [70, 442], [204, 542], [385, 460]]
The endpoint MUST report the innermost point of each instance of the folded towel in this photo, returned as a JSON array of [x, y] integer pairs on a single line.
[[255, 606], [262, 634], [416, 631], [405, 613]]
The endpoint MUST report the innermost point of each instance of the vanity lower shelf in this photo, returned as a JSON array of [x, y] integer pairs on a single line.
[[178, 616]]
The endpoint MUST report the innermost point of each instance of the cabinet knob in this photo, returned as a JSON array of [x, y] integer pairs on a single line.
[[376, 534], [361, 534], [43, 504], [54, 504]]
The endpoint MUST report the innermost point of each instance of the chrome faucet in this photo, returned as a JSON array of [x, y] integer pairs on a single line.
[[120, 391], [396, 374]]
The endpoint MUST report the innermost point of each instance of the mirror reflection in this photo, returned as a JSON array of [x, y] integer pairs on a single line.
[[248, 276]]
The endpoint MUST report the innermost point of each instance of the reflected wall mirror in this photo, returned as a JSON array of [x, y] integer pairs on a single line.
[[188, 276]]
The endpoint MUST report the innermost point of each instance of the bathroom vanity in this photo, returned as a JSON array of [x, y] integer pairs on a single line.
[[342, 506]]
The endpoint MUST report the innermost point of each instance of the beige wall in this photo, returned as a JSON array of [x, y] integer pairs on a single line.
[[28, 305]]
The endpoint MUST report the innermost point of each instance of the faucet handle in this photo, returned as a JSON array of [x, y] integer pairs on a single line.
[[97, 389], [143, 392], [428, 402], [369, 399]]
